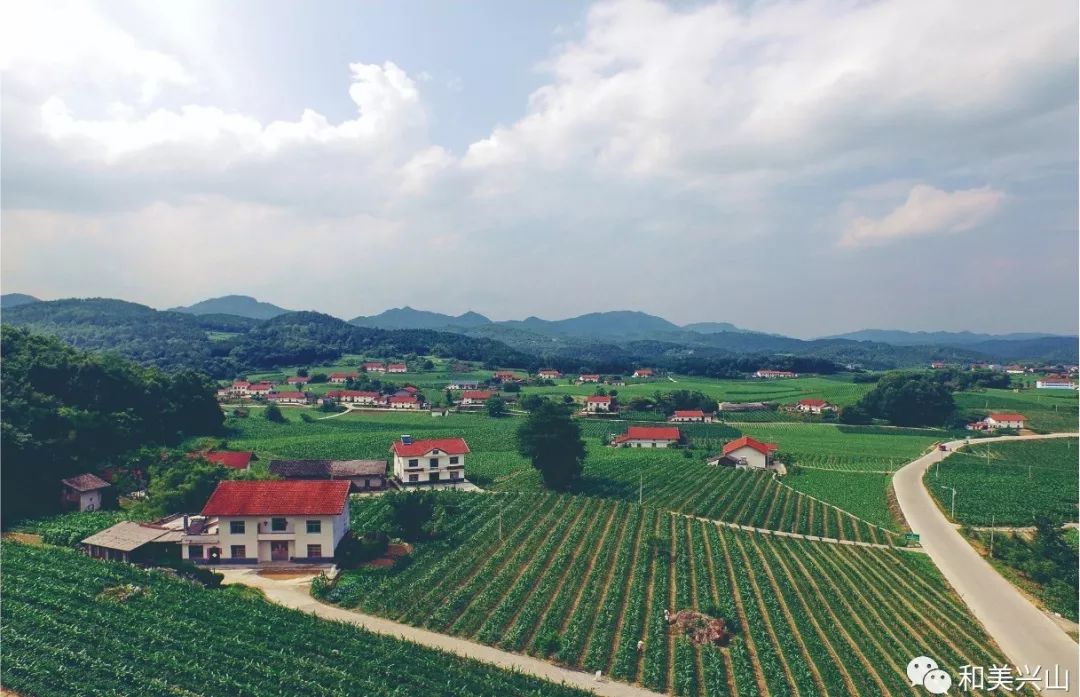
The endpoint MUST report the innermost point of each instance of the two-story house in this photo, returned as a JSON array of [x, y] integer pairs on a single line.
[[429, 461], [256, 522]]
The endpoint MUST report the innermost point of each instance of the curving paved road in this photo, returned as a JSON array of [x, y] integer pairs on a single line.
[[296, 594], [1024, 632]]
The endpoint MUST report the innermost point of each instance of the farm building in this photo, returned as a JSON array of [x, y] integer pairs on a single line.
[[234, 460], [998, 420], [1055, 382], [463, 385], [342, 378], [588, 377], [746, 452], [287, 397], [505, 376], [240, 387], [549, 374], [85, 491], [775, 374], [937, 365], [260, 389], [256, 522], [814, 406], [745, 406], [354, 396], [643, 373], [598, 404], [403, 402], [690, 416], [648, 437], [135, 543], [429, 461], [297, 380], [363, 475], [475, 397], [397, 368], [1015, 369]]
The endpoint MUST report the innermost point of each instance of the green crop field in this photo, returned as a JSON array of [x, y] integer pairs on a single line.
[[1048, 411], [62, 638], [581, 581], [1018, 481]]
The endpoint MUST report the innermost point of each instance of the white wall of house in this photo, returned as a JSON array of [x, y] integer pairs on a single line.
[[258, 534], [596, 407], [688, 419], [418, 470], [404, 405], [994, 423], [754, 458], [636, 443], [90, 500]]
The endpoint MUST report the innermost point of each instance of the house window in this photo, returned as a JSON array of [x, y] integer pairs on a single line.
[[414, 477], [314, 527], [236, 527], [238, 552], [433, 462], [414, 463], [195, 551], [278, 524], [453, 475], [454, 459], [314, 551]]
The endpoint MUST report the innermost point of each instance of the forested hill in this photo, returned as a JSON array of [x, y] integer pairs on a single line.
[[67, 412], [224, 346]]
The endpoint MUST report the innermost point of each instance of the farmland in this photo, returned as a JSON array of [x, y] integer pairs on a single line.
[[1015, 483], [61, 638], [581, 581], [1046, 410]]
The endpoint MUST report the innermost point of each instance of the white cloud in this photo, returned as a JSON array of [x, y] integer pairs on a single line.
[[926, 212]]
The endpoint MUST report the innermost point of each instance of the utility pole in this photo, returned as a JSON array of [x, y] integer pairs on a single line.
[[991, 535], [500, 526], [640, 487], [954, 503]]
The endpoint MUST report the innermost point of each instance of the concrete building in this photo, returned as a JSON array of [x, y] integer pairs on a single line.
[[429, 461]]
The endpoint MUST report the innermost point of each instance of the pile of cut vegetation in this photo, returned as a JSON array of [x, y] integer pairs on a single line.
[[699, 628]]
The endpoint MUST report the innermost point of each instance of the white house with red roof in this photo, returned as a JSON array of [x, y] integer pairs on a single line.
[[690, 416], [354, 396], [240, 387], [342, 378], [549, 374], [375, 367], [812, 405], [505, 376], [260, 389], [287, 398], [429, 461], [297, 380], [588, 377], [648, 437], [83, 491], [259, 522], [1000, 419], [775, 374], [643, 373], [397, 368], [475, 397], [599, 404], [403, 402], [746, 452], [1055, 382]]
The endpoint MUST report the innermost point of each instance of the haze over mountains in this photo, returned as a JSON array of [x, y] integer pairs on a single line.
[[618, 332]]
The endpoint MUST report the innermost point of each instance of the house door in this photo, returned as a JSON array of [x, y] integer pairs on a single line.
[[433, 477], [279, 551]]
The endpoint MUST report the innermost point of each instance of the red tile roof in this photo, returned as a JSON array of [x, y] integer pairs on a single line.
[[286, 395], [748, 442], [477, 394], [602, 399], [410, 389], [396, 366], [85, 482], [261, 386], [690, 413], [409, 399], [549, 371], [650, 433], [1006, 416], [450, 446], [813, 402], [643, 371], [338, 394], [504, 374], [374, 364], [297, 379], [589, 376], [236, 460], [240, 383], [343, 376], [299, 497]]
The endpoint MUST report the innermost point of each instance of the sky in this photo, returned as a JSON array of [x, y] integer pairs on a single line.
[[805, 168]]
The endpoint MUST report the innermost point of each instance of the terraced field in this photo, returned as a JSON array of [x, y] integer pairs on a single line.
[[62, 638], [581, 581], [1019, 480]]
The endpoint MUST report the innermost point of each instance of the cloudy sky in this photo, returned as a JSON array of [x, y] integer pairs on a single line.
[[799, 167]]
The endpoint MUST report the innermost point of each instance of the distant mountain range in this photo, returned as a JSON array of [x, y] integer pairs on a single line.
[[239, 305], [15, 299], [408, 318], [898, 337]]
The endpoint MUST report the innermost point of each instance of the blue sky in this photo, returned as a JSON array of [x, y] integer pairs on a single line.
[[798, 167]]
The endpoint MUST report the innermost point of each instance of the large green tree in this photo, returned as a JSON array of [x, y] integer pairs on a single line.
[[552, 441], [910, 399]]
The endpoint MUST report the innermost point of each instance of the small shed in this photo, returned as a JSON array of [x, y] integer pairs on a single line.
[[84, 490], [364, 475], [134, 542]]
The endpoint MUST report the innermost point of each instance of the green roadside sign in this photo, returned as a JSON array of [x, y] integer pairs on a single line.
[[911, 537]]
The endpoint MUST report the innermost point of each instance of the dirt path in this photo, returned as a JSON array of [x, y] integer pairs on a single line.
[[1026, 634], [295, 594]]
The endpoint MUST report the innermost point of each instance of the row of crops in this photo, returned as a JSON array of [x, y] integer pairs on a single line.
[[581, 581], [1008, 483], [62, 638], [743, 497]]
